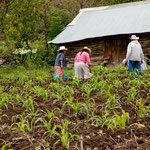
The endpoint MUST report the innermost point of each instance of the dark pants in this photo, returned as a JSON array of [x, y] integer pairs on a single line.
[[133, 65]]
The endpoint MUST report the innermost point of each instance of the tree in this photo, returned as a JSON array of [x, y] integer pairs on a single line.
[[21, 22], [52, 20], [4, 9]]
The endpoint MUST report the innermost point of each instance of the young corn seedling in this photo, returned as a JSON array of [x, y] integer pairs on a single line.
[[48, 125], [64, 135], [141, 109], [40, 80], [57, 96], [4, 100], [88, 106], [111, 76], [121, 120], [1, 88], [104, 120], [5, 145], [75, 82], [51, 114], [75, 106], [117, 83], [136, 83], [87, 88], [131, 94], [6, 81], [29, 84], [68, 90], [55, 86], [20, 82], [129, 75], [39, 91], [17, 98], [29, 104], [24, 123], [111, 103], [14, 90]]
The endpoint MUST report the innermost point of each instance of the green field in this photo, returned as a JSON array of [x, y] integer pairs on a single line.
[[109, 111]]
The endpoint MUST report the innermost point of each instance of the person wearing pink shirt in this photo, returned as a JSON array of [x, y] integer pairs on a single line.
[[82, 64]]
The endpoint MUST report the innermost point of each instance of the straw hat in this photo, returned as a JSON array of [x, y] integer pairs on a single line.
[[134, 37], [85, 47], [62, 48]]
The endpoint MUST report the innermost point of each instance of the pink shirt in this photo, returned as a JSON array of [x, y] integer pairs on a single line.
[[84, 57]]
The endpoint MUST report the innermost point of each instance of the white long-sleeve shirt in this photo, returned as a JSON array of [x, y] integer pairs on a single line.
[[134, 51]]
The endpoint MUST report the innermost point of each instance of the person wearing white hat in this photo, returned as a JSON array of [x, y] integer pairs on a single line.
[[134, 55], [60, 63], [82, 64]]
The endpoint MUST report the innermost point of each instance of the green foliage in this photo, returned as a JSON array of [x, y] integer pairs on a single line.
[[20, 23], [64, 135]]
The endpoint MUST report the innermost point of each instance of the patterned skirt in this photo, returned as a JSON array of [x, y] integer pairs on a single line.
[[59, 73]]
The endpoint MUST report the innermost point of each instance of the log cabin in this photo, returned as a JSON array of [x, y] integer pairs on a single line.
[[106, 30]]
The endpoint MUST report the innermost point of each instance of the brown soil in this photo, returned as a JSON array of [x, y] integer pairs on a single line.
[[98, 137]]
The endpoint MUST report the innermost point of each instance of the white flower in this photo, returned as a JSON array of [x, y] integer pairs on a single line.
[[16, 51], [23, 51], [34, 51]]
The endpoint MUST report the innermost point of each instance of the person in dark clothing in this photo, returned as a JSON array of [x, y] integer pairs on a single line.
[[60, 63]]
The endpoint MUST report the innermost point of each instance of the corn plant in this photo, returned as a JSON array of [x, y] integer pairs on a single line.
[[104, 120], [51, 114], [111, 103], [24, 123], [87, 88], [119, 69], [121, 120], [55, 86], [29, 103], [48, 125], [136, 83], [57, 96], [48, 122], [5, 145], [40, 80], [111, 76], [4, 99], [117, 83], [131, 94], [1, 88], [24, 77], [14, 90], [39, 91], [67, 90], [29, 84], [17, 98], [141, 109], [20, 82], [6, 81], [75, 106], [64, 135], [88, 106], [75, 82]]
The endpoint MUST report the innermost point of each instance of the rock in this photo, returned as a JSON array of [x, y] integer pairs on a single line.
[[96, 148], [88, 137], [2, 61]]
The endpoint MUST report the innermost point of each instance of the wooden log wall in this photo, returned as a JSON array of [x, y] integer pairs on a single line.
[[113, 47], [145, 42], [97, 47]]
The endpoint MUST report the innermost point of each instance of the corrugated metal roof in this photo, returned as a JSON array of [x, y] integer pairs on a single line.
[[105, 21]]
